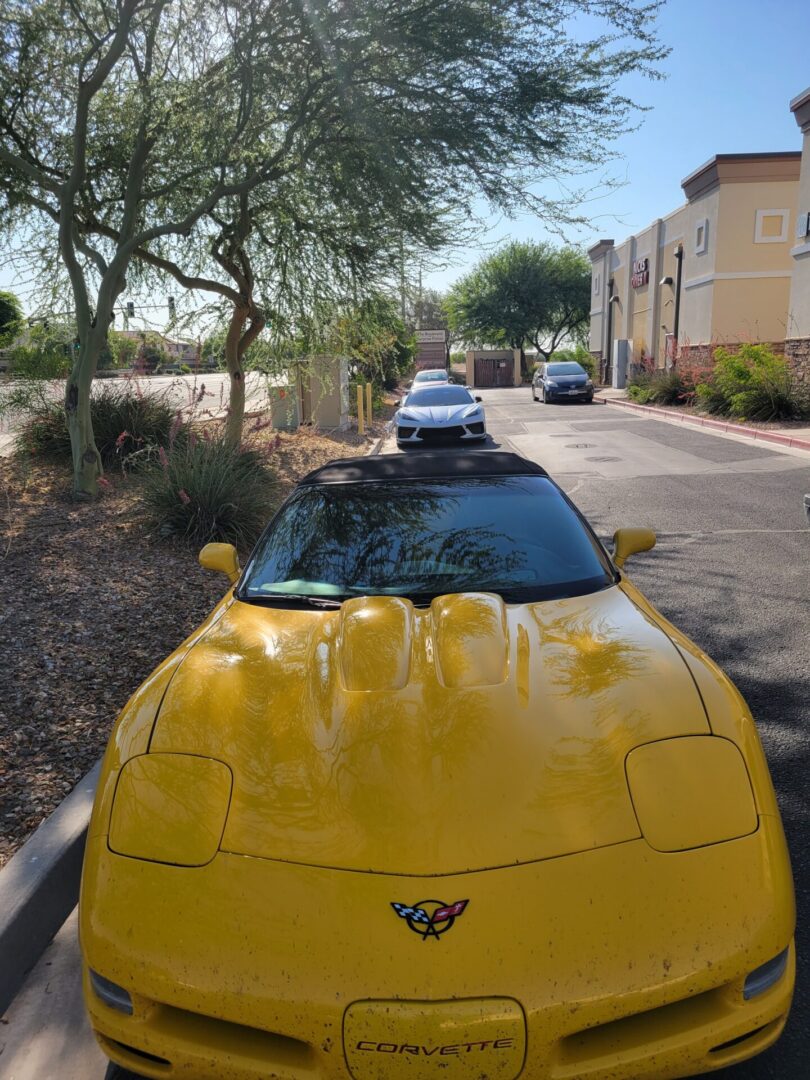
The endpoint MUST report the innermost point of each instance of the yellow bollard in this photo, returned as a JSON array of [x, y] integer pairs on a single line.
[[361, 427], [368, 402]]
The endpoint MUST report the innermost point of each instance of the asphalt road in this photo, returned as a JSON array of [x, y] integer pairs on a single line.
[[730, 569]]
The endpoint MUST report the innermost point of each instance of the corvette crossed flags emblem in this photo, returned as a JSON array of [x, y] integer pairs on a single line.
[[430, 918]]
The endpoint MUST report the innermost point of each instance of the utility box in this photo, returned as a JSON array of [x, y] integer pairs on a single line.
[[622, 356], [323, 392], [284, 409]]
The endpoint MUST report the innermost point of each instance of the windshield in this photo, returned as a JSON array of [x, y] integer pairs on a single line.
[[517, 536], [430, 376], [439, 395], [565, 369]]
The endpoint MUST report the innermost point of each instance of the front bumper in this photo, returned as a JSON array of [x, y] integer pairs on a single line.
[[422, 436], [626, 963], [584, 393]]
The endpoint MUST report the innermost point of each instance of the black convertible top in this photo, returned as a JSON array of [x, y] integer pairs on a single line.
[[424, 465]]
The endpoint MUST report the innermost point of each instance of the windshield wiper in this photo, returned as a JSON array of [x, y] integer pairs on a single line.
[[293, 598]]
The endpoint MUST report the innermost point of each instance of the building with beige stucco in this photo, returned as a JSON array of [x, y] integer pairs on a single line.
[[730, 265]]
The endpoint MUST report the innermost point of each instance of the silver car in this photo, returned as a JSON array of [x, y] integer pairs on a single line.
[[439, 414]]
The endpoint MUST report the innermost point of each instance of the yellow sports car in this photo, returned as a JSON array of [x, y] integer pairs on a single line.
[[435, 792]]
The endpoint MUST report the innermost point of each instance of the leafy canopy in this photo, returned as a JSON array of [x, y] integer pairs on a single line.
[[524, 293]]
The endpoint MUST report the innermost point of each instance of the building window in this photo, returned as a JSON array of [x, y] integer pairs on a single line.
[[771, 226], [702, 236], [597, 284]]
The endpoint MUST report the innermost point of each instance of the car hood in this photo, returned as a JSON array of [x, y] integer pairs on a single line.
[[437, 414], [463, 736]]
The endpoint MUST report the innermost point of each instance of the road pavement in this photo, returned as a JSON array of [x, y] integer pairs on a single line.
[[730, 569]]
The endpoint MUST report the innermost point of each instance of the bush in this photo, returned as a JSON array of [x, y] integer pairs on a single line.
[[751, 383], [30, 362], [203, 490], [125, 421], [377, 400], [577, 355], [458, 358]]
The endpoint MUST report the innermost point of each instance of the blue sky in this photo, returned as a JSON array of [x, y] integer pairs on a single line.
[[733, 69], [734, 66]]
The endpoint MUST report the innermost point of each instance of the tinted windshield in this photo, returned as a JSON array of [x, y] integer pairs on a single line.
[[516, 536], [566, 369], [439, 395], [430, 376]]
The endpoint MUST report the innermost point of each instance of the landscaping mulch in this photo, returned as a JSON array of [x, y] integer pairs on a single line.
[[90, 603]]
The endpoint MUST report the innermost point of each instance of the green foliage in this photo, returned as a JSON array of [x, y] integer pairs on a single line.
[[578, 355], [374, 338], [524, 293], [203, 490], [377, 398], [458, 358], [123, 349], [44, 352], [752, 383], [125, 422], [11, 317]]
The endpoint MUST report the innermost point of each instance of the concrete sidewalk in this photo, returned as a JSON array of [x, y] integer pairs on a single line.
[[45, 1033]]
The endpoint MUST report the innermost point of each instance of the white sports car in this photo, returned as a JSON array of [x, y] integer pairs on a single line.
[[441, 413]]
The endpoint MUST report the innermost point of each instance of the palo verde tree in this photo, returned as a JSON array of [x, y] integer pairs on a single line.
[[524, 293], [143, 116]]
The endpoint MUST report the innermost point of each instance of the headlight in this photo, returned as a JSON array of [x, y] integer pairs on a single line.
[[170, 808], [403, 415], [690, 792], [550, 382], [113, 995], [763, 978], [472, 410]]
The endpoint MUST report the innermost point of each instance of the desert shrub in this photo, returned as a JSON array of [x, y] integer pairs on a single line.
[[641, 394], [125, 421], [752, 383], [458, 358], [202, 490]]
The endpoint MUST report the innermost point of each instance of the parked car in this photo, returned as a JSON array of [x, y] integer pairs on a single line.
[[562, 381], [435, 791], [428, 377], [439, 412]]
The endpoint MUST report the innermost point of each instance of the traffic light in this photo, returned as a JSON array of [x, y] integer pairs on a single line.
[[130, 309]]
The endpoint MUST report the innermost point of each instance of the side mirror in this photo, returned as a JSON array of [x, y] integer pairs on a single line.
[[627, 542], [221, 557], [478, 398], [398, 402]]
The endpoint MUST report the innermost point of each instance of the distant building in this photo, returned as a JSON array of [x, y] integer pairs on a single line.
[[730, 265], [183, 351]]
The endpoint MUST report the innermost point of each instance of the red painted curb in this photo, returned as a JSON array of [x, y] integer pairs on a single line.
[[705, 421]]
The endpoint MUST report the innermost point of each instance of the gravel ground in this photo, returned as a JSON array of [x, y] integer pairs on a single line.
[[89, 604]]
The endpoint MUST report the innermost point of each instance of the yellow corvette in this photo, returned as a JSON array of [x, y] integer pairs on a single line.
[[435, 792]]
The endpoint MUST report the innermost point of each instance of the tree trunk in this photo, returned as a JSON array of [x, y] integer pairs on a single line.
[[235, 417], [87, 467]]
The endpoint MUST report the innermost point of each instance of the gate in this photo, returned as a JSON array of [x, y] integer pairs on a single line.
[[492, 372]]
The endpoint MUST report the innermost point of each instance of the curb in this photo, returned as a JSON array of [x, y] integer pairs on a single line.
[[705, 421], [39, 886]]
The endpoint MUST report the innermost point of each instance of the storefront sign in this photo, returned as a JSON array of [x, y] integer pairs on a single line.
[[641, 273], [426, 337]]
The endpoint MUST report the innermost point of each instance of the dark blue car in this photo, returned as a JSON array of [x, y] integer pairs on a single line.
[[563, 381]]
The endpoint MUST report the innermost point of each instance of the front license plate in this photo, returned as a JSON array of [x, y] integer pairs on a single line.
[[452, 1040], [576, 391]]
